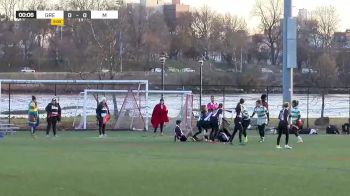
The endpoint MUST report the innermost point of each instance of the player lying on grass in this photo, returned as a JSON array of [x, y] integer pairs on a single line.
[[179, 135], [213, 121]]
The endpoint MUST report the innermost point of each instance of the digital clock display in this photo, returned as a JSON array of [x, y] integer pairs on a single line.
[[25, 14]]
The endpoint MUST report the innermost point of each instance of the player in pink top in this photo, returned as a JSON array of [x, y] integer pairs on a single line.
[[212, 105]]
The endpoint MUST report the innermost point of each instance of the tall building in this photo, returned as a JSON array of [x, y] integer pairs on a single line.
[[302, 15], [173, 11], [152, 3], [176, 2]]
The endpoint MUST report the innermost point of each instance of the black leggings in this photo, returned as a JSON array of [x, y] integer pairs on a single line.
[[161, 127], [51, 122], [101, 127], [238, 128], [282, 128], [202, 125], [261, 129], [215, 130], [245, 125]]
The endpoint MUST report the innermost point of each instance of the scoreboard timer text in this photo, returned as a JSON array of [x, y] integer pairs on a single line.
[[61, 15]]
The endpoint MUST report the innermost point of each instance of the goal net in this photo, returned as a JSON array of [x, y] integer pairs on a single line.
[[124, 107], [135, 109], [130, 116]]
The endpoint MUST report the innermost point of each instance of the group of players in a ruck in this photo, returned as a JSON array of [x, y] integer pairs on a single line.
[[218, 129]]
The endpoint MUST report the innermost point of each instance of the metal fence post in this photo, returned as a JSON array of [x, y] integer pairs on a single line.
[[267, 94], [9, 115], [223, 99], [307, 108], [55, 90]]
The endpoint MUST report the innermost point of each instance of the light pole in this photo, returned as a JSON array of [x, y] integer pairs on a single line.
[[201, 81], [289, 51], [162, 62]]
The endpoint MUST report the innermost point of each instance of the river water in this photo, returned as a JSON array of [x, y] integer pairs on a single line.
[[336, 105]]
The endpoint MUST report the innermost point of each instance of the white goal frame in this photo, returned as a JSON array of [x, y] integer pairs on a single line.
[[146, 92], [77, 82]]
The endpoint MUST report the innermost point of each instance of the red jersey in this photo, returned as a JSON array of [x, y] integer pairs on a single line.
[[265, 104]]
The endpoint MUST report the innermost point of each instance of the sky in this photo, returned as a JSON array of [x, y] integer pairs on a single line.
[[244, 8]]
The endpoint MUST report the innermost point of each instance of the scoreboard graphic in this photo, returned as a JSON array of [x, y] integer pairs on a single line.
[[57, 17]]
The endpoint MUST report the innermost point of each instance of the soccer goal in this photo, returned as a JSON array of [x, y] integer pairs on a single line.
[[135, 108], [15, 96]]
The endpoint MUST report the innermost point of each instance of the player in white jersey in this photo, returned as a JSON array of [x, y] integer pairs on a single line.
[[296, 122], [263, 118]]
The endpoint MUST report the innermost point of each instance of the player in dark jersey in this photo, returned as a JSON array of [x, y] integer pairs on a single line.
[[102, 112], [245, 123], [283, 126], [238, 122], [53, 111], [203, 123], [179, 135], [216, 121]]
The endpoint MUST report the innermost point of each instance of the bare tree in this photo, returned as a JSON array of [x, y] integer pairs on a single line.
[[202, 26], [327, 22], [85, 4], [326, 76], [8, 7], [182, 39], [270, 12], [234, 39]]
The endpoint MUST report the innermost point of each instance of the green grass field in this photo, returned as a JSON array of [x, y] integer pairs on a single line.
[[127, 164]]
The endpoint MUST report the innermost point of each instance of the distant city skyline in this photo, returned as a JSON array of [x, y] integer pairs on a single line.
[[245, 9]]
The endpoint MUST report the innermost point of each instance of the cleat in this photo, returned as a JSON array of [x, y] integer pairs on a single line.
[[100, 136], [246, 139], [287, 147], [300, 140], [278, 147]]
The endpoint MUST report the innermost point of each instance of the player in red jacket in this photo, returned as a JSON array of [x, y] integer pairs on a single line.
[[159, 116]]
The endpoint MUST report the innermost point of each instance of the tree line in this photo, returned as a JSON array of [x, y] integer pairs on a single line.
[[140, 35]]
